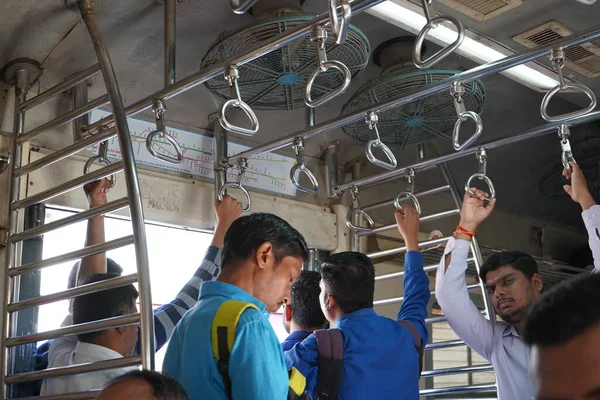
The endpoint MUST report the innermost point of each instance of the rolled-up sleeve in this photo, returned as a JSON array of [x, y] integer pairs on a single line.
[[453, 296], [591, 219]]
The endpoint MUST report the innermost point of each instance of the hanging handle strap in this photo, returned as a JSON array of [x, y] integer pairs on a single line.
[[558, 62], [433, 23], [481, 175], [391, 163], [408, 195], [457, 91], [240, 7], [300, 168], [242, 166], [318, 37], [340, 25], [357, 212], [232, 76], [159, 109], [101, 158]]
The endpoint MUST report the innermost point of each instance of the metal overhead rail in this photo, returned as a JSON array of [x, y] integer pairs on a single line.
[[247, 56], [530, 134], [472, 74]]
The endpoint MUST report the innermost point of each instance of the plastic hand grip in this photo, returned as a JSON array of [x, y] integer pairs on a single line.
[[334, 93], [575, 87], [392, 162], [484, 178], [407, 195], [234, 185], [299, 169], [462, 118], [359, 213], [171, 140], [235, 103], [445, 52], [101, 160]]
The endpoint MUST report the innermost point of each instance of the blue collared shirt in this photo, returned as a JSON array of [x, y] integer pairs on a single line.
[[380, 358], [293, 338], [256, 366]]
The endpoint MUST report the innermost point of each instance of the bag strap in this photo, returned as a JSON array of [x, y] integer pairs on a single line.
[[418, 341], [223, 335], [330, 343]]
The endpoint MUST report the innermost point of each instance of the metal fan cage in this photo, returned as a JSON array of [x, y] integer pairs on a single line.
[[277, 80], [427, 119]]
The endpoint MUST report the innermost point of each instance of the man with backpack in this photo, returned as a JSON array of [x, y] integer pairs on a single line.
[[225, 347], [367, 356]]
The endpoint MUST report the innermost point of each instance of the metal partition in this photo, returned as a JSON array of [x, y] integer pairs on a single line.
[[24, 75]]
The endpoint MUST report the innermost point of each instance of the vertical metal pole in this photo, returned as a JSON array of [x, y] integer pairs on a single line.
[[311, 263], [356, 219], [220, 141], [80, 98], [12, 251], [131, 181], [170, 19], [331, 168], [477, 257]]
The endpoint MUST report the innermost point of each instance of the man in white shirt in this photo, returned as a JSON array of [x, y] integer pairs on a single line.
[[95, 346], [513, 285]]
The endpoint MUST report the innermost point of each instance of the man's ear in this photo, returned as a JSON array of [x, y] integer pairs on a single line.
[[264, 255], [119, 330], [287, 312], [538, 282], [330, 302]]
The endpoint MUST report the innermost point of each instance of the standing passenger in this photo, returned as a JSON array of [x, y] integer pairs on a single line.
[[513, 284], [262, 257], [303, 315], [381, 360]]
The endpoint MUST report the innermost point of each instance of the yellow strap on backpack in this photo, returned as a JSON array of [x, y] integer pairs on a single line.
[[226, 320]]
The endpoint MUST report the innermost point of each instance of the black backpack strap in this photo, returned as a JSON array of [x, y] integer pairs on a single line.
[[418, 341], [330, 343]]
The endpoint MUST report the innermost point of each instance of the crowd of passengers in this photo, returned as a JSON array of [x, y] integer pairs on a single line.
[[222, 346]]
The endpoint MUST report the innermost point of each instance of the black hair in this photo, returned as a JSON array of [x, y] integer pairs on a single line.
[[564, 312], [248, 233], [111, 267], [304, 300], [351, 279], [517, 259], [104, 304], [163, 386]]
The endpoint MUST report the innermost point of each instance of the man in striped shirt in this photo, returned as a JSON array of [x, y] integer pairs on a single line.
[[167, 316]]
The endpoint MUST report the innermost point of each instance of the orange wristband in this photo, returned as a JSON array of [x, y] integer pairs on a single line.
[[464, 231]]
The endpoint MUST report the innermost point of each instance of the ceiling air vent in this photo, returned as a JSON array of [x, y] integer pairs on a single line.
[[482, 10], [584, 59]]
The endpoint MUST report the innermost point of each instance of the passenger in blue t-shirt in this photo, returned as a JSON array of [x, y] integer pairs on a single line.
[[262, 257], [303, 315], [380, 358]]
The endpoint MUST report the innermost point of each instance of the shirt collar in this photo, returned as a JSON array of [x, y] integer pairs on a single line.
[[95, 352], [216, 288], [298, 336], [362, 313], [510, 330]]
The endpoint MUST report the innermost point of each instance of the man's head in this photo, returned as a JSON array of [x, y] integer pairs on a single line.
[[347, 284], [111, 267], [513, 283], [106, 304], [143, 385], [303, 313], [267, 254], [563, 328]]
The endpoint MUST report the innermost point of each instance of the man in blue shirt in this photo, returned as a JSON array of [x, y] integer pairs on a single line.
[[262, 257], [303, 315], [380, 357]]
